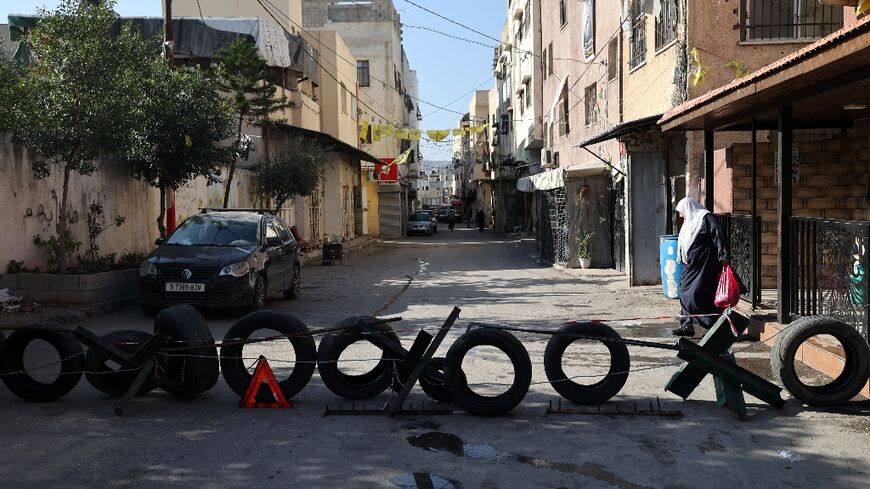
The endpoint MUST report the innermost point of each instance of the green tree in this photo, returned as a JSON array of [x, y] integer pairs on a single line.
[[10, 84], [294, 170], [243, 76], [78, 94], [181, 123]]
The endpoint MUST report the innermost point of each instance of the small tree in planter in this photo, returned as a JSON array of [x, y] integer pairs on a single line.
[[242, 75], [77, 96], [584, 248], [294, 170], [181, 124]]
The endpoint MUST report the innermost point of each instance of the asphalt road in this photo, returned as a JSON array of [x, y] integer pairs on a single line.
[[212, 443]]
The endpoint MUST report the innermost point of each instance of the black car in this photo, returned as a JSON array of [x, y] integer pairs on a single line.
[[222, 259]]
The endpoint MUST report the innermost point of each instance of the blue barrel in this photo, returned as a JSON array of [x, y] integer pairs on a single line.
[[672, 269]]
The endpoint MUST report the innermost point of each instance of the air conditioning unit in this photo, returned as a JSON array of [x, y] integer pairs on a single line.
[[547, 158]]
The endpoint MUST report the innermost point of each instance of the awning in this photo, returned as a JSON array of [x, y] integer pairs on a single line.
[[196, 37], [824, 82], [547, 180], [328, 141], [622, 129]]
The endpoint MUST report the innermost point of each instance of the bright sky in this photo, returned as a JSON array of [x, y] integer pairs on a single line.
[[447, 68]]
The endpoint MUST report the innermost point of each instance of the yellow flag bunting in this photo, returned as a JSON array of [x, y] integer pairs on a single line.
[[375, 132]]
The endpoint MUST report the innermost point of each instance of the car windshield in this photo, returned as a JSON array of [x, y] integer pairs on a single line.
[[419, 216], [216, 231]]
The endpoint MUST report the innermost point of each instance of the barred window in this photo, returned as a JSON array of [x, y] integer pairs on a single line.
[[777, 20], [362, 73], [637, 44], [666, 23]]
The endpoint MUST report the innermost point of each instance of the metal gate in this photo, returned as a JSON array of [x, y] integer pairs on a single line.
[[552, 232], [617, 229], [390, 211]]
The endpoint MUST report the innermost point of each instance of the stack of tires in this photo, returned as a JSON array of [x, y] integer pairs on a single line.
[[190, 362]]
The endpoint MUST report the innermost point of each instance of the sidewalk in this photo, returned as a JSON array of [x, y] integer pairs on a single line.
[[349, 249]]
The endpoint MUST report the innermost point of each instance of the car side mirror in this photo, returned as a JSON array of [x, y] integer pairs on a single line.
[[273, 242], [159, 241]]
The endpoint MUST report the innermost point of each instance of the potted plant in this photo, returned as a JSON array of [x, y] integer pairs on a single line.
[[583, 249]]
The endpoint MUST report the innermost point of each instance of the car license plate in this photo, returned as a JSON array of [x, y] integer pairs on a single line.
[[184, 287]]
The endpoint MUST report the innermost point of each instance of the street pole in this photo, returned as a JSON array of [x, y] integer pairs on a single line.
[[168, 45]]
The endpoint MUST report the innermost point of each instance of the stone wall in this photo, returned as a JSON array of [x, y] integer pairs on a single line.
[[832, 182]]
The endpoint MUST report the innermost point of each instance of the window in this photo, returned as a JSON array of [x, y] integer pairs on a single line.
[[528, 92], [613, 59], [563, 14], [522, 100], [564, 111], [544, 61], [788, 20], [590, 99], [272, 231], [556, 159], [505, 124], [666, 23], [362, 73], [637, 44], [343, 98], [552, 68]]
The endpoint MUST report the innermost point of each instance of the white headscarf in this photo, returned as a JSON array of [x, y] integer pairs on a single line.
[[693, 214]]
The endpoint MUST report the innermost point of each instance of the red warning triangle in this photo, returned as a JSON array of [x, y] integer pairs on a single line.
[[263, 373]]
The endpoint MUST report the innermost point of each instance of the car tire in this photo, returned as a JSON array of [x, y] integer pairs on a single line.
[[354, 387], [600, 391], [196, 369], [26, 387], [233, 366], [115, 383], [457, 384], [295, 289], [433, 382], [260, 292], [855, 369]]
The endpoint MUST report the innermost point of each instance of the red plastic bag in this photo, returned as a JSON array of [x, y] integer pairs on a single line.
[[728, 293]]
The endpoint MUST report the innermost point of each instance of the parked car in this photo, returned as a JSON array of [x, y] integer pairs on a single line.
[[226, 258], [420, 222], [434, 221], [441, 213]]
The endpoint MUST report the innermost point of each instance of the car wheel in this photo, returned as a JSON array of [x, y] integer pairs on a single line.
[[259, 294], [296, 287]]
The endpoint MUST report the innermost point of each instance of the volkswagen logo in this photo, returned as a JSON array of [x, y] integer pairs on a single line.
[[186, 273]]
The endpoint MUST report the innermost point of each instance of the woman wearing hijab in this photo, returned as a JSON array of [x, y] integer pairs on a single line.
[[703, 248]]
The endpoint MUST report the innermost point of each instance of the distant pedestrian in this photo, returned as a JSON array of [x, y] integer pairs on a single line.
[[451, 219], [703, 248], [480, 220]]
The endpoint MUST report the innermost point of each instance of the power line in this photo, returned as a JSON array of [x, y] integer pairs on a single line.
[[354, 64], [315, 58]]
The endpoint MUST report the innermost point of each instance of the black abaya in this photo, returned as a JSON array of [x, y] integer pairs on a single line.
[[700, 276]]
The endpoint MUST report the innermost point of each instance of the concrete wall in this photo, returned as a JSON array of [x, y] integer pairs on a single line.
[[525, 64], [369, 36], [33, 205], [338, 115], [714, 28], [241, 8], [565, 42], [341, 173]]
